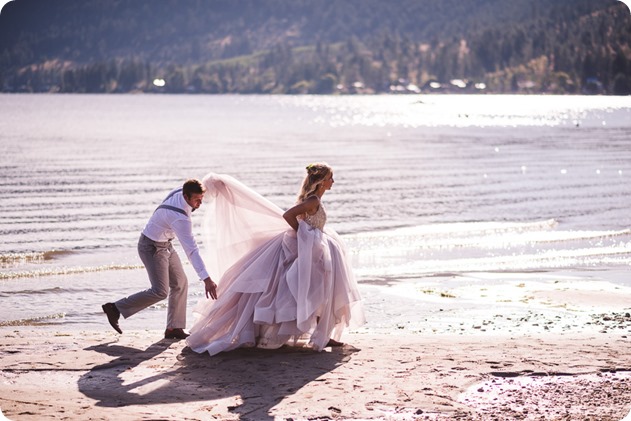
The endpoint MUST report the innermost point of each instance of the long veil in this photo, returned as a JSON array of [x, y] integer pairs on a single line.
[[237, 220]]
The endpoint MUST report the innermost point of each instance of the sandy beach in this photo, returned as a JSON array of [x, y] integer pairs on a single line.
[[557, 357]]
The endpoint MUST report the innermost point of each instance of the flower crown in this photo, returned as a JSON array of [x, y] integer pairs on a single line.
[[314, 168]]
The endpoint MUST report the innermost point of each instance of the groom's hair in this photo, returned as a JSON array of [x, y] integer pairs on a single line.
[[192, 186]]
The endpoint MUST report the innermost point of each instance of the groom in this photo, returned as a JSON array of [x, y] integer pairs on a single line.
[[172, 218]]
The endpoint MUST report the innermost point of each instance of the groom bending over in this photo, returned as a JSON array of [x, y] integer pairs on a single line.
[[172, 218]]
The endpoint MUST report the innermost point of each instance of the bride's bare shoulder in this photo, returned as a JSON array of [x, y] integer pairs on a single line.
[[311, 204]]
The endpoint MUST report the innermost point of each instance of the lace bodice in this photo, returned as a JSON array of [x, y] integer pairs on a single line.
[[317, 220]]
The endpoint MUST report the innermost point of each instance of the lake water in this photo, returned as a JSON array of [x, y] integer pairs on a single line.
[[426, 186]]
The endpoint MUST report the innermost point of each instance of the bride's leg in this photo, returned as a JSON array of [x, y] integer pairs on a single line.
[[333, 342]]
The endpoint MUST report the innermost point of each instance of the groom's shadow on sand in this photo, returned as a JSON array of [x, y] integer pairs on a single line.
[[261, 378]]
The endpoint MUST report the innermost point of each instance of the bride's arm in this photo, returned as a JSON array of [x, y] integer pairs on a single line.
[[310, 206]]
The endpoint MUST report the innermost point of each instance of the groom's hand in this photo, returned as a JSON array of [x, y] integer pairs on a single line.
[[211, 288]]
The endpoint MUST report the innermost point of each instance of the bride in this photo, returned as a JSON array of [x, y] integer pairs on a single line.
[[279, 284]]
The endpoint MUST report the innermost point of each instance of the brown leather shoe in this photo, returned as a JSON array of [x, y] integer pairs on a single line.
[[177, 333], [112, 315]]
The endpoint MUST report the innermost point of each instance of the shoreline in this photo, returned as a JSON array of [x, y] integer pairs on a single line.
[[471, 347], [139, 375]]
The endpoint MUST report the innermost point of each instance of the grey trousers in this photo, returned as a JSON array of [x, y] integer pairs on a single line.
[[167, 279]]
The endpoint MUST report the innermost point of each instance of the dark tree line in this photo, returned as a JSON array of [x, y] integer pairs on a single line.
[[320, 47]]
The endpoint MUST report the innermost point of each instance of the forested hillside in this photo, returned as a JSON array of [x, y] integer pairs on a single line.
[[315, 46]]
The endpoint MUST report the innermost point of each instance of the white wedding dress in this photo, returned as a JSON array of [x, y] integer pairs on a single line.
[[276, 286]]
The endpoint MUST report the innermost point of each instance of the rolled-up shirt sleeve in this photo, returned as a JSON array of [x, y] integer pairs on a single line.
[[184, 232]]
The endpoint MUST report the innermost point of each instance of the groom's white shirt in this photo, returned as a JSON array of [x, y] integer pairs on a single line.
[[166, 224]]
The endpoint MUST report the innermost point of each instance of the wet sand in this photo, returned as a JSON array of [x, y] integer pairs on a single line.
[[100, 375], [523, 348]]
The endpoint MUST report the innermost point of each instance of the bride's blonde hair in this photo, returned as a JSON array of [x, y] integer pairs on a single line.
[[316, 173]]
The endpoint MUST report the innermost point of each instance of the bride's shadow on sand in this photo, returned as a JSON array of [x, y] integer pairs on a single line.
[[261, 378]]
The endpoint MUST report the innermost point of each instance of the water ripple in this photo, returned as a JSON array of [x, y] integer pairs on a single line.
[[64, 271]]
